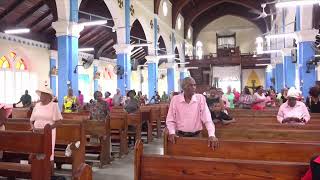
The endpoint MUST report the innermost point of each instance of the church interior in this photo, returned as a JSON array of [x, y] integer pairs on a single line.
[[159, 89]]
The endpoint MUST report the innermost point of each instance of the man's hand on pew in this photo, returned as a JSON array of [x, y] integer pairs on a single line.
[[172, 138], [213, 142]]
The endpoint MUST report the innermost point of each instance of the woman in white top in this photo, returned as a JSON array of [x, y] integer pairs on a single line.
[[260, 99], [46, 112]]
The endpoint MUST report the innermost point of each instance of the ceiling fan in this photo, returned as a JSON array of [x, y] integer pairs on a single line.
[[262, 14]]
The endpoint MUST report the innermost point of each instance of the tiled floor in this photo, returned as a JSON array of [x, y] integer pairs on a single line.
[[122, 169]]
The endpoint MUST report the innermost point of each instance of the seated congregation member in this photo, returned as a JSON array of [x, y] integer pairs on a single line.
[[99, 109], [46, 112], [313, 100], [218, 115], [246, 99], [117, 98], [25, 99], [131, 104], [5, 111], [224, 99], [293, 111], [214, 97], [271, 98], [108, 99], [260, 99], [230, 96], [187, 112], [70, 102]]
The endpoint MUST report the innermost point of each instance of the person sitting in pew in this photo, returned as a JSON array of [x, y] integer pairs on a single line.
[[313, 100], [187, 112], [293, 111], [218, 115], [99, 109], [46, 112], [132, 104]]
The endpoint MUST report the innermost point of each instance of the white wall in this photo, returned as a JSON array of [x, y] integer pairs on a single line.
[[38, 65], [246, 33]]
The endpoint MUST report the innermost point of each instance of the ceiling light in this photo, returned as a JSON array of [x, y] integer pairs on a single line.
[[275, 36], [85, 49], [270, 51], [141, 45], [262, 64], [166, 56], [179, 23], [17, 31], [296, 3], [94, 23]]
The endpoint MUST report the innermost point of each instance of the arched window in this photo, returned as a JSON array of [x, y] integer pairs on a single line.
[[179, 23], [20, 65], [189, 33], [4, 63], [199, 51], [165, 8]]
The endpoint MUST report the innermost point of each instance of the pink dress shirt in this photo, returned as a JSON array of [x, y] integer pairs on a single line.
[[189, 117], [298, 111]]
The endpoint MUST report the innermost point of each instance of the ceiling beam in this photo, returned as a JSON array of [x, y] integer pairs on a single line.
[[89, 34], [109, 43], [95, 38], [156, 6], [29, 12], [45, 27], [177, 7], [194, 12], [12, 7], [39, 19]]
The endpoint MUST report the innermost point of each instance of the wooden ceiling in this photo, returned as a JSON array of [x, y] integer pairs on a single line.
[[199, 13]]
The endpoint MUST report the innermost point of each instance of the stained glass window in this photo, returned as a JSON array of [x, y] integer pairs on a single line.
[[4, 63], [20, 65]]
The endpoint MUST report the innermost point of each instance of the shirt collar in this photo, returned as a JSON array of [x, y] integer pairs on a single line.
[[297, 105], [193, 99]]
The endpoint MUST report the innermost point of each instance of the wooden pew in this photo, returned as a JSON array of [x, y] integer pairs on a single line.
[[262, 125], [119, 130], [101, 130], [66, 133], [159, 167], [21, 112], [38, 145], [241, 149]]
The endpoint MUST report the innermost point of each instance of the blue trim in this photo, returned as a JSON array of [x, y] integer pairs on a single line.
[[306, 53], [152, 79], [298, 19], [279, 77], [95, 81], [155, 30], [289, 72], [268, 82], [127, 5], [182, 75], [171, 80], [74, 12], [124, 81], [53, 78]]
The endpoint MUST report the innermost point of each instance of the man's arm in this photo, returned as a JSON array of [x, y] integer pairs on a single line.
[[305, 113], [280, 115], [171, 121], [207, 121]]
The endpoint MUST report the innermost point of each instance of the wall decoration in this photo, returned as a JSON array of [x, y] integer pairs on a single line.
[[4, 63], [151, 24], [96, 75], [54, 71], [253, 80], [20, 65], [120, 3], [132, 10], [158, 28]]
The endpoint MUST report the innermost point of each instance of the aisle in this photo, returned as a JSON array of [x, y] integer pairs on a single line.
[[122, 169]]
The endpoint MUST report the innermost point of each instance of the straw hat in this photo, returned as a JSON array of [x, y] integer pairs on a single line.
[[293, 92], [44, 89], [7, 108]]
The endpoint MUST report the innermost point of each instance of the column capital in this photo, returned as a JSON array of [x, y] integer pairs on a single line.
[[306, 35], [182, 69], [54, 54], [66, 28], [123, 48], [286, 51], [277, 60], [170, 65], [152, 59]]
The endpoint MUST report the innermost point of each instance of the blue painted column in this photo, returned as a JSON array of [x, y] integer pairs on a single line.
[[289, 72], [305, 54], [95, 81], [268, 83], [152, 79], [279, 77], [171, 79], [123, 54], [53, 77]]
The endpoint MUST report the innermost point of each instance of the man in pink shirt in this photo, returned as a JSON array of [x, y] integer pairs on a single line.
[[187, 112], [293, 111]]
